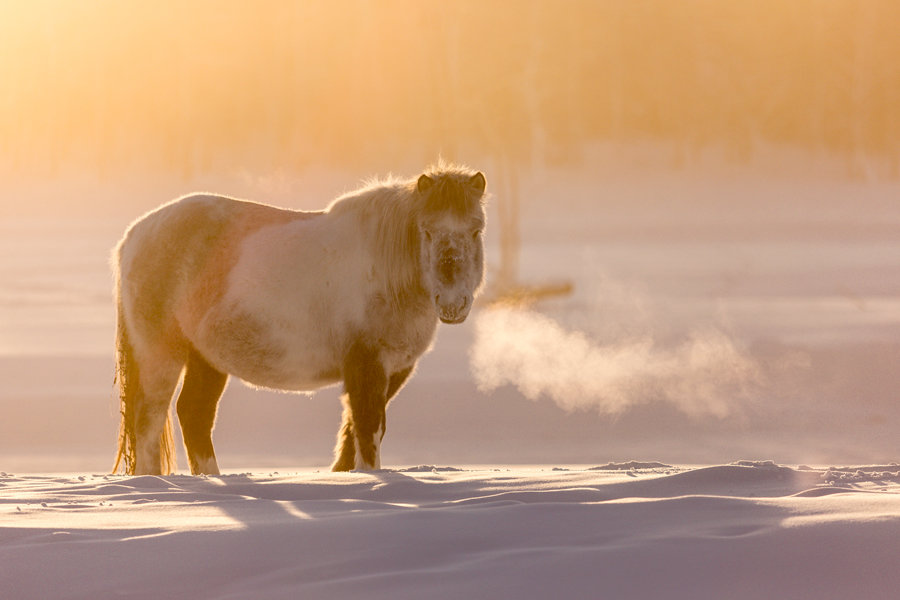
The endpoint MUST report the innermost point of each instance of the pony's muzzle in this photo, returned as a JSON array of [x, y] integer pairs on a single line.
[[452, 313]]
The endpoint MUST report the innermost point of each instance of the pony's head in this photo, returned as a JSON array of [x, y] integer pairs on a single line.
[[450, 225]]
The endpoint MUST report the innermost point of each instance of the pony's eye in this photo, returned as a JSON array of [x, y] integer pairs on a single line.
[[475, 234]]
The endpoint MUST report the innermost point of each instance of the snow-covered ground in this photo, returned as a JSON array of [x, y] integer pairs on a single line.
[[630, 530]]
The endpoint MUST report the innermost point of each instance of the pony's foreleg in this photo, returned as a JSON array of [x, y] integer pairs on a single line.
[[396, 382], [345, 450], [346, 455], [365, 386], [203, 386]]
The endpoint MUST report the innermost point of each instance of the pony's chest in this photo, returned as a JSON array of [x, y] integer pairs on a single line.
[[401, 346]]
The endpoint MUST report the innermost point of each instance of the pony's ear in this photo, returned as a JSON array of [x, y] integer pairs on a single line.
[[477, 181], [424, 184]]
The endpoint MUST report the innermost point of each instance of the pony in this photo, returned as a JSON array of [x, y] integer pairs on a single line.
[[208, 287]]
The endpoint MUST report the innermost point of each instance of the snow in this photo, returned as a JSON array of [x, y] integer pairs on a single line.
[[752, 529]]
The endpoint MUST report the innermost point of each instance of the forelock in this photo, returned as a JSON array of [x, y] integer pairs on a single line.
[[452, 191]]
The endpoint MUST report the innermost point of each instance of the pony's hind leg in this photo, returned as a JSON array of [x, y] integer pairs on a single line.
[[200, 392], [146, 381], [153, 439]]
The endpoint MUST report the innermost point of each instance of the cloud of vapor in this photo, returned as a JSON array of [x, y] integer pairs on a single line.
[[705, 374]]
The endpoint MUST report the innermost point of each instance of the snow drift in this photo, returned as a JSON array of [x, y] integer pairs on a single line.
[[623, 530]]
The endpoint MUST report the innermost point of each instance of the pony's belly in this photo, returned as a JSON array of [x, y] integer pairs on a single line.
[[265, 349], [295, 373], [292, 383], [276, 372]]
